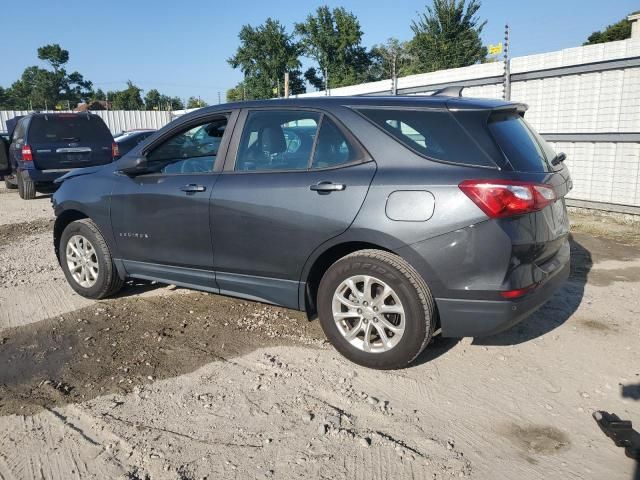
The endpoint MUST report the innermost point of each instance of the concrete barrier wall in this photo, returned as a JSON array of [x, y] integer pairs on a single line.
[[584, 100], [116, 120]]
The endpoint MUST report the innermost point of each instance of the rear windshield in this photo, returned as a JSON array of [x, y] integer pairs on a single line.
[[432, 133], [88, 129], [524, 148]]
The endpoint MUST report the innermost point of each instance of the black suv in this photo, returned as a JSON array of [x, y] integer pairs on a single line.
[[45, 146], [392, 218]]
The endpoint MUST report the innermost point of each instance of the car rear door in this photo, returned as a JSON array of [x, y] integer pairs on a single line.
[[293, 180], [64, 141]]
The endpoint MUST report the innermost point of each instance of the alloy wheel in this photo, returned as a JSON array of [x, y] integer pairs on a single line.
[[368, 313], [82, 261]]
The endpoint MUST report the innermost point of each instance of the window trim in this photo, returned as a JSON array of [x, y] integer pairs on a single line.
[[234, 145], [232, 117], [357, 109]]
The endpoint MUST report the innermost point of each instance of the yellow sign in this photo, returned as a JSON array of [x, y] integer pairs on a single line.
[[495, 49]]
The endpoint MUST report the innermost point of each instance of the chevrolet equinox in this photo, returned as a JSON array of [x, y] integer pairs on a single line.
[[392, 218]]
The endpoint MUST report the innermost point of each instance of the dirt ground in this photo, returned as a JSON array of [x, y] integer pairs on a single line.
[[165, 383]]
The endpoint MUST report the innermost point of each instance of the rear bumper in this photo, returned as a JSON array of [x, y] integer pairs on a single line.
[[479, 318]]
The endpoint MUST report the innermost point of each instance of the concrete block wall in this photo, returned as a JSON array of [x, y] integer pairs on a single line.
[[604, 101]]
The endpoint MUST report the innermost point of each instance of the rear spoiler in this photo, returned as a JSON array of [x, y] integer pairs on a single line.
[[456, 91], [512, 107]]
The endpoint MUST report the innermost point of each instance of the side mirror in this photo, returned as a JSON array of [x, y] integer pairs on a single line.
[[132, 165]]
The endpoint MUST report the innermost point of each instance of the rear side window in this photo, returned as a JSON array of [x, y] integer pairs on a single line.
[[431, 133], [84, 129], [523, 147]]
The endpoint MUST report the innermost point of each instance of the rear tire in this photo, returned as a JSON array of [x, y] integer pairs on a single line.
[[383, 282], [26, 187], [9, 185], [102, 280]]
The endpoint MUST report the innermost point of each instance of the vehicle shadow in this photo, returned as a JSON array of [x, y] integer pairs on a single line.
[[117, 345], [133, 287], [557, 310]]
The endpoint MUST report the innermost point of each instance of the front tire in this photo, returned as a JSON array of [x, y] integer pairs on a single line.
[[376, 309], [26, 187], [87, 262]]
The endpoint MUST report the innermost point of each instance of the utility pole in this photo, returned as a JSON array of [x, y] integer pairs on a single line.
[[507, 65], [326, 81], [286, 84], [394, 74], [219, 102]]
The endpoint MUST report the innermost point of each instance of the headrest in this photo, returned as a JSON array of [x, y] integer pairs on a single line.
[[272, 140]]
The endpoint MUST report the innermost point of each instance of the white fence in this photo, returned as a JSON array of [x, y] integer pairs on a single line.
[[116, 120], [584, 100]]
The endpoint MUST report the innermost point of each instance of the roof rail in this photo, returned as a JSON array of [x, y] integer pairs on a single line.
[[452, 91]]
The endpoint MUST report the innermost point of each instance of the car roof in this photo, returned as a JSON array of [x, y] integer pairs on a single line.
[[406, 101]]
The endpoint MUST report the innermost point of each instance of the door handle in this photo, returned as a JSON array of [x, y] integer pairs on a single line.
[[193, 188], [328, 187]]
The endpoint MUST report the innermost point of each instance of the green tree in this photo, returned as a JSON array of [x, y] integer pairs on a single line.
[[154, 100], [54, 54], [4, 98], [333, 39], [447, 35], [196, 102], [617, 31], [98, 95], [392, 58], [128, 99], [236, 94], [265, 53], [43, 88]]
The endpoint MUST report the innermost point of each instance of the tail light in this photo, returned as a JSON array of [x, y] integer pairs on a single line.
[[115, 151], [27, 155], [504, 198], [518, 292]]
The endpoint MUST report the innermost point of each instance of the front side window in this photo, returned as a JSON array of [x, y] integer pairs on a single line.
[[286, 140], [191, 151]]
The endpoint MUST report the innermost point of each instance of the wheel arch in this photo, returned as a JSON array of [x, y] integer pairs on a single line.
[[62, 220], [322, 259]]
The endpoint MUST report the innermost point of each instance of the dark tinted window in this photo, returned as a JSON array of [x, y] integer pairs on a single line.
[[277, 140], [525, 150], [332, 148], [18, 133], [191, 151], [432, 133], [61, 128]]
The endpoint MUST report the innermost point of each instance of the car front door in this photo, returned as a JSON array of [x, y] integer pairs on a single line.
[[293, 180], [160, 218]]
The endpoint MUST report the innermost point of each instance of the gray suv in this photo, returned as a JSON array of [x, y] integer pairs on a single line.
[[392, 219]]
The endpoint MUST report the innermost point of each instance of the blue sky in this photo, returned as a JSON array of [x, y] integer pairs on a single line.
[[181, 47]]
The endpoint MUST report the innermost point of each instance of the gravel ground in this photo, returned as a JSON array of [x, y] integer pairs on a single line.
[[164, 383]]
